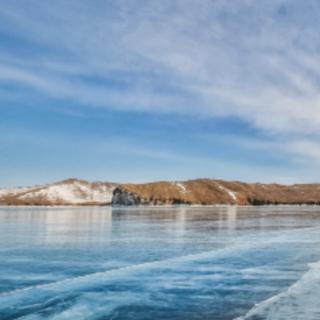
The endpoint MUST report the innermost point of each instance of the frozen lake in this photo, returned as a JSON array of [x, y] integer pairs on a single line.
[[160, 263]]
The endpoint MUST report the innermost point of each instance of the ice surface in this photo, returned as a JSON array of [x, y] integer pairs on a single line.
[[159, 263], [299, 301]]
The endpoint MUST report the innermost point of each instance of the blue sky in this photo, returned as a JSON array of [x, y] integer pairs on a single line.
[[147, 90]]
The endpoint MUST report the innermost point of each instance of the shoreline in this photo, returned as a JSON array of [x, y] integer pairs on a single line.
[[159, 206]]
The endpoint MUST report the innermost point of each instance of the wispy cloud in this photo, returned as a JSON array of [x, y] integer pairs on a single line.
[[257, 61]]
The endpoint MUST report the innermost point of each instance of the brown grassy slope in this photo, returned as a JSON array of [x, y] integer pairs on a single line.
[[206, 192]]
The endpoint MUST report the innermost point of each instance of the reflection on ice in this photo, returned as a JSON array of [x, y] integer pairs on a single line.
[[76, 225]]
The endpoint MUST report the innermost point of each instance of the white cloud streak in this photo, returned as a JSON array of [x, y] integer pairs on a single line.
[[256, 60]]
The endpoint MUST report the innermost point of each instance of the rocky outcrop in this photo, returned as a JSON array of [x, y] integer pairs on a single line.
[[124, 198]]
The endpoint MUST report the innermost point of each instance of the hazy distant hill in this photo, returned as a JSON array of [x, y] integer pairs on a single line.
[[197, 192]]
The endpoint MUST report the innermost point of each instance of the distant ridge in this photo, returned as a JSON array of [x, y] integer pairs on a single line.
[[191, 192]]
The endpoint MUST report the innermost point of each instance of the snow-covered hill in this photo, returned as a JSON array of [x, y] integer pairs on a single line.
[[67, 192]]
